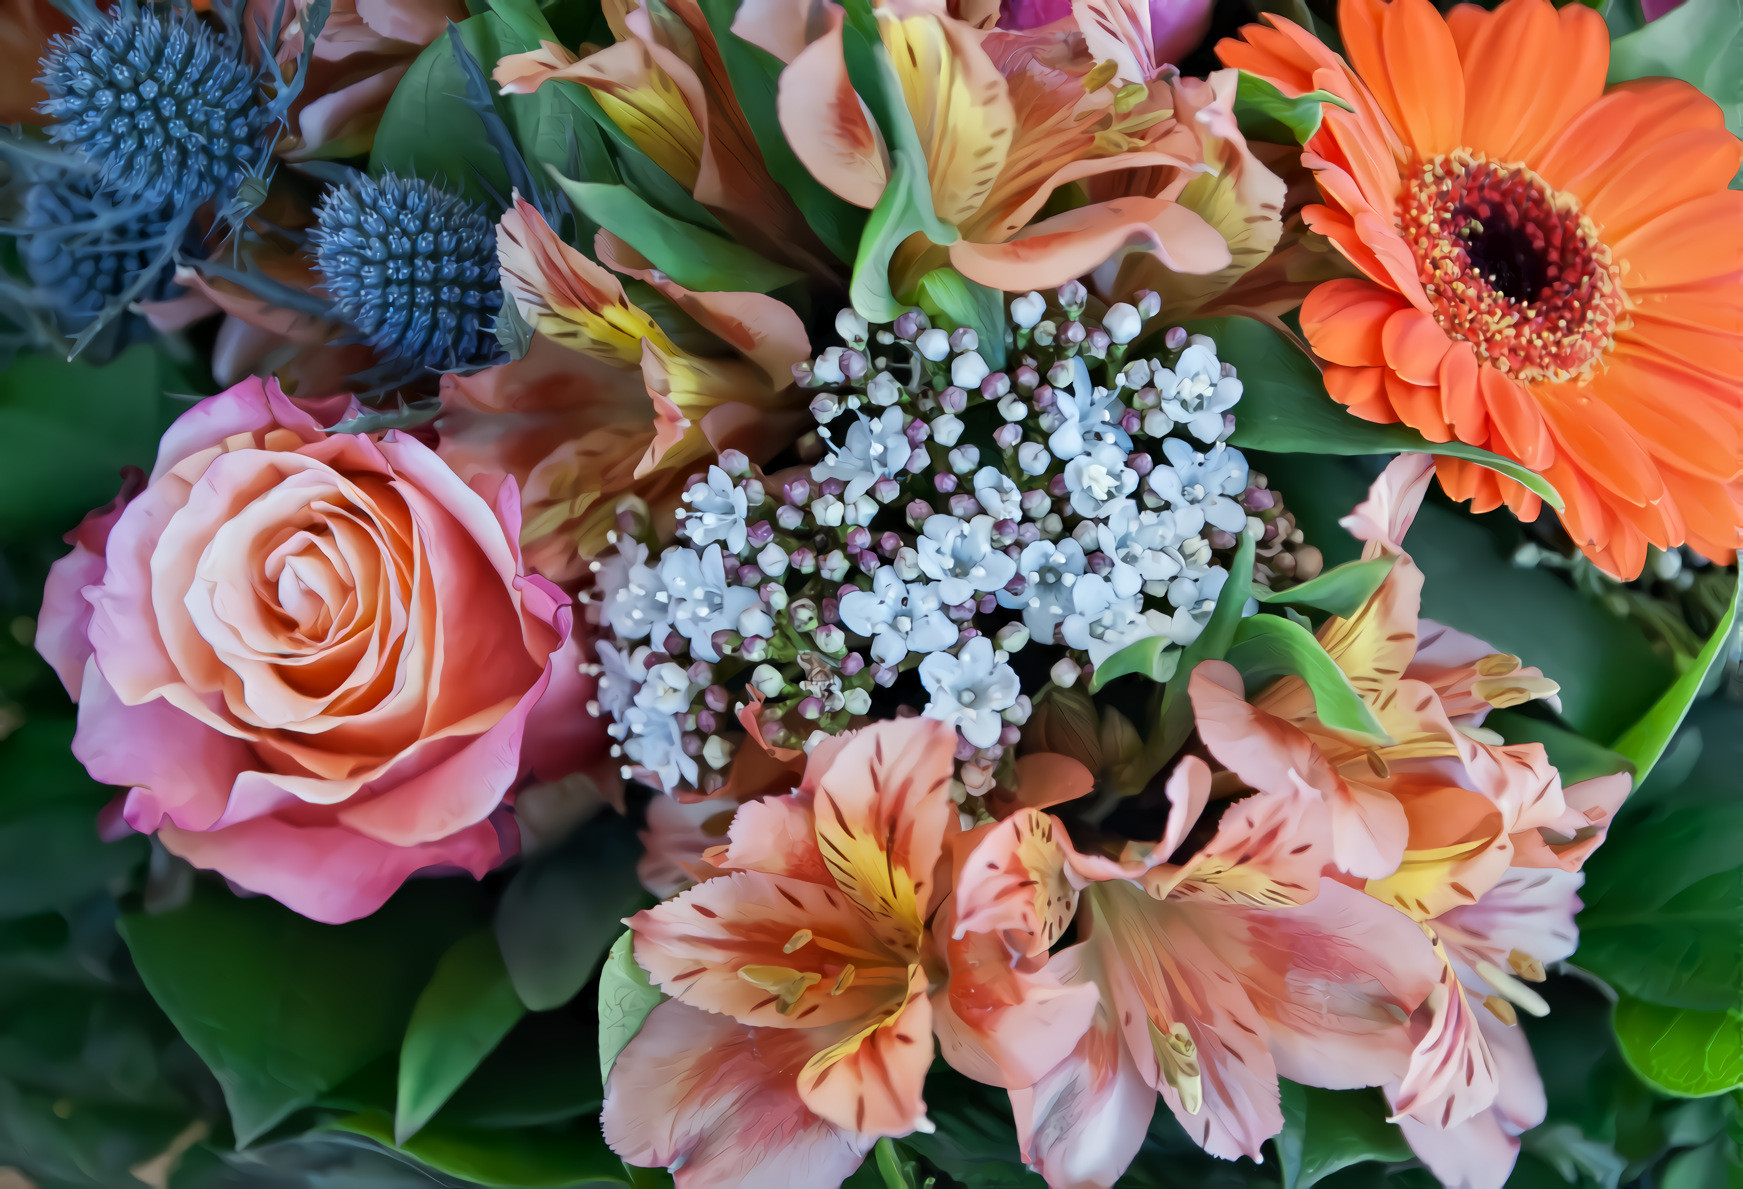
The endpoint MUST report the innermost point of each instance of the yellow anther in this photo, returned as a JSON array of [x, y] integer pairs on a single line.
[[799, 939]]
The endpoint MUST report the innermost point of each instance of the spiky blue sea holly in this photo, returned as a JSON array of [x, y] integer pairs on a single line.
[[413, 269], [81, 254], [167, 108]]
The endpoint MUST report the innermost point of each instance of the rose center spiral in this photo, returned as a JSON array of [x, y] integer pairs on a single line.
[[1512, 266]]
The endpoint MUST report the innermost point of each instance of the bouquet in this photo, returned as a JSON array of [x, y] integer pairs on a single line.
[[887, 593]]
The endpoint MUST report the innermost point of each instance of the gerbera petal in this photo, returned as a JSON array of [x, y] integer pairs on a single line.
[[1418, 406], [1660, 174], [1677, 422], [1699, 239], [1414, 345], [1362, 390], [1510, 111], [1602, 443], [1461, 397], [1518, 418], [1344, 320], [1423, 64]]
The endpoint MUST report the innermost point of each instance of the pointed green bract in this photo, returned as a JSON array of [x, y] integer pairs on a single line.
[[1270, 646], [464, 1012], [625, 999]]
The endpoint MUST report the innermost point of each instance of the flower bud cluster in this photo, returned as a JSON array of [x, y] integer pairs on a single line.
[[969, 535]]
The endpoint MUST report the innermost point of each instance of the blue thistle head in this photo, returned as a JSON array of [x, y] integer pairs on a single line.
[[81, 253], [413, 269], [167, 108]]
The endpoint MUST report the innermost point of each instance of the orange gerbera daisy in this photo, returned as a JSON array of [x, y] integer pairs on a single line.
[[1551, 270]]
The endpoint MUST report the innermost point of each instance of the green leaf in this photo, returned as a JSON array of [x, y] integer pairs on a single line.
[[427, 131], [1174, 715], [536, 1076], [464, 1012], [1268, 646], [951, 300], [1156, 657], [1265, 113], [1341, 590], [521, 1159], [693, 257], [1284, 408], [1664, 908], [525, 20], [625, 999], [1326, 1130], [1643, 743], [69, 428], [1700, 42], [755, 75], [50, 853], [563, 909], [1686, 1053], [283, 1009], [905, 208]]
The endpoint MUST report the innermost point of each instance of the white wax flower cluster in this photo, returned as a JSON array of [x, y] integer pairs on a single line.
[[968, 535]]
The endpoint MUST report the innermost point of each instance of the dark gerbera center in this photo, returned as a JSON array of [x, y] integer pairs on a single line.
[[1512, 266]]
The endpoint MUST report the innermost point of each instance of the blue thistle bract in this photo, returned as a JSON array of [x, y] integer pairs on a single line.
[[81, 253], [164, 106], [413, 269]]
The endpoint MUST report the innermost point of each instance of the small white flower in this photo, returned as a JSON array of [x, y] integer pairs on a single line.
[[968, 370], [969, 690], [655, 741], [1049, 569], [828, 510], [998, 494], [1102, 622], [621, 673], [772, 560], [961, 558], [718, 507], [933, 344], [1028, 309], [826, 368], [899, 618], [667, 690], [882, 390], [1122, 322], [702, 603], [1033, 458], [632, 595], [946, 429], [1194, 599], [1196, 393], [851, 327], [1203, 483], [873, 450], [1098, 477], [1084, 416], [1145, 546]]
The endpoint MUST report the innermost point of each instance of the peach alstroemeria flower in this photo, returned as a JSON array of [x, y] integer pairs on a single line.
[[1005, 120], [606, 403], [1203, 969], [1236, 193], [1549, 268], [1432, 817], [812, 953], [666, 88]]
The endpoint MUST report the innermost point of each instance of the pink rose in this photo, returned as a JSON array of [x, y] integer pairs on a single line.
[[313, 658]]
